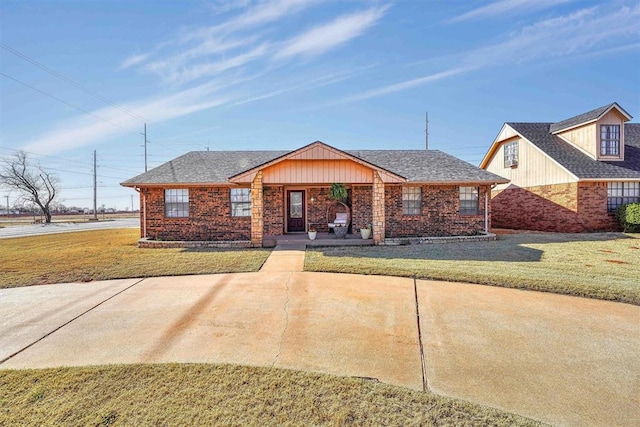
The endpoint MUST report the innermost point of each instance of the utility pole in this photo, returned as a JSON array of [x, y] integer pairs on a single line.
[[95, 186], [7, 206], [426, 130], [145, 146]]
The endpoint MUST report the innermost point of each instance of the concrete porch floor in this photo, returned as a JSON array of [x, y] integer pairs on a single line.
[[322, 239]]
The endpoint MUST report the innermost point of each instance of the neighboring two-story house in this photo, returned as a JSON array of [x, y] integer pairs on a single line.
[[568, 176], [242, 197]]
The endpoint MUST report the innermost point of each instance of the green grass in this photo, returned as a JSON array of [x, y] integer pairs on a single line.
[[110, 254], [198, 394], [600, 265]]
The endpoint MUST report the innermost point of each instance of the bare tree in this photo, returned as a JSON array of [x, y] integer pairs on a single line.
[[33, 182]]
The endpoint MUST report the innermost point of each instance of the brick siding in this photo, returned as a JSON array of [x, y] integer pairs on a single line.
[[210, 214], [209, 217], [361, 207], [273, 211], [439, 213], [568, 208]]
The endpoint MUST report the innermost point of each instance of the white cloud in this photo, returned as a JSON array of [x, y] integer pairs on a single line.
[[397, 87], [327, 36], [133, 60], [576, 33], [569, 36], [175, 74], [84, 130], [503, 7]]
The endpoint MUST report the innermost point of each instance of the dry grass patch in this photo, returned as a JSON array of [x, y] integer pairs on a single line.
[[200, 394], [599, 265], [110, 254]]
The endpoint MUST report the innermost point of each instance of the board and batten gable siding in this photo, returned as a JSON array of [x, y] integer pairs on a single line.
[[317, 172], [534, 167], [584, 137]]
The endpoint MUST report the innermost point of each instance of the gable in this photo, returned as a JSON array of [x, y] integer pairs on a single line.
[[316, 163]]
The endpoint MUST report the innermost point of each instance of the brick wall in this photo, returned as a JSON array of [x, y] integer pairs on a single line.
[[567, 208], [273, 211], [439, 213], [209, 217], [361, 207]]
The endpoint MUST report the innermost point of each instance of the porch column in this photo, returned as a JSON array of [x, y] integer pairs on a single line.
[[257, 222], [378, 209]]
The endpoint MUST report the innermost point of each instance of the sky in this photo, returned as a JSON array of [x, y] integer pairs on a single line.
[[78, 76]]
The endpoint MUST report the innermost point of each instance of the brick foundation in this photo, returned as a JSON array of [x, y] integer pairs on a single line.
[[568, 208]]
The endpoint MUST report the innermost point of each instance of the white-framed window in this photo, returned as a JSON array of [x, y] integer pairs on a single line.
[[469, 201], [240, 202], [176, 203], [511, 154], [609, 140], [411, 200], [622, 193]]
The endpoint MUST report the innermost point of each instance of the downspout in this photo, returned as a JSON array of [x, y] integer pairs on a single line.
[[144, 212], [486, 208]]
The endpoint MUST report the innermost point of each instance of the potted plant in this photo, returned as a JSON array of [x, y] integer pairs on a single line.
[[313, 233], [365, 231], [338, 192]]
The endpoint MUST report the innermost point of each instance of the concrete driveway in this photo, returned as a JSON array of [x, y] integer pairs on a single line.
[[563, 360]]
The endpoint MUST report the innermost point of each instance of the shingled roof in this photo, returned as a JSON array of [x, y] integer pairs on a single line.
[[585, 118], [215, 167], [580, 164]]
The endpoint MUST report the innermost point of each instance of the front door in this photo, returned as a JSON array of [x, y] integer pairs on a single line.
[[295, 211]]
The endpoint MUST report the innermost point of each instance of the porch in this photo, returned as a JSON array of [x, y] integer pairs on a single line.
[[322, 239]]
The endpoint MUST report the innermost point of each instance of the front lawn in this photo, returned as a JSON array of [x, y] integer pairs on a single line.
[[600, 265], [110, 254], [199, 394]]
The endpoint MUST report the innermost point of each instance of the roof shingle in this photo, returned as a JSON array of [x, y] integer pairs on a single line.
[[215, 167], [584, 118], [580, 164]]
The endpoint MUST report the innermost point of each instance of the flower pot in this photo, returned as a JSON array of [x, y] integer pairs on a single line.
[[365, 233], [312, 235], [340, 232]]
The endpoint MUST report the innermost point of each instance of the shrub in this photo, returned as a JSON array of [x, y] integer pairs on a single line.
[[629, 217]]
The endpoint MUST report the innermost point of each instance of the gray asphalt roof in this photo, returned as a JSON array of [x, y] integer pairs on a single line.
[[583, 118], [579, 163], [217, 166]]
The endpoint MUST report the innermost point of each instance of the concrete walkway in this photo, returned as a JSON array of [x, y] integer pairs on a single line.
[[285, 258], [558, 359]]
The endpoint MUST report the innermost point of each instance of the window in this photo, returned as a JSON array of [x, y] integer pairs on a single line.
[[468, 200], [511, 154], [621, 193], [176, 203], [240, 202], [411, 200], [609, 140]]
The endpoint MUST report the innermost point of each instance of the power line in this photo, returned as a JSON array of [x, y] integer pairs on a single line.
[[67, 103], [85, 89], [71, 82]]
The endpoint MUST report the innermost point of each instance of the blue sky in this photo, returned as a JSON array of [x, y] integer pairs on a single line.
[[79, 76]]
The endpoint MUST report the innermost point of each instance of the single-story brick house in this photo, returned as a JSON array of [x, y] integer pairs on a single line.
[[568, 176], [244, 196]]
